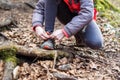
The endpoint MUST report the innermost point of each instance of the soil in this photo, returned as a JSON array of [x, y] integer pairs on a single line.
[[86, 64]]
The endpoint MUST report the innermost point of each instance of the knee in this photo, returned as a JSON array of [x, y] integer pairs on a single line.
[[95, 44]]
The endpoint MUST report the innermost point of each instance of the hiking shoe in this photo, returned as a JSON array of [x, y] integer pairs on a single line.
[[48, 44]]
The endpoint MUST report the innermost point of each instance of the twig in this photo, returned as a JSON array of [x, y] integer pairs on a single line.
[[55, 58]]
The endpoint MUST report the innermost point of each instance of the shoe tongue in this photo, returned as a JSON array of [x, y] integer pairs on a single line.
[[51, 40]]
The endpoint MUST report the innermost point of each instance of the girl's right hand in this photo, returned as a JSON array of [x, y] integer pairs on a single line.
[[41, 33]]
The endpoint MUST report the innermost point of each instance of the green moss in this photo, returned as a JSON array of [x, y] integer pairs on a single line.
[[8, 52], [103, 5], [12, 59], [51, 56], [9, 55], [112, 17]]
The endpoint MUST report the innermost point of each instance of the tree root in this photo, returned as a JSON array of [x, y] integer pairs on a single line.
[[9, 49], [32, 52], [8, 70]]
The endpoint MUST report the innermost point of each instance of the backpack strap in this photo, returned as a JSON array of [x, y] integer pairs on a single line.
[[74, 5]]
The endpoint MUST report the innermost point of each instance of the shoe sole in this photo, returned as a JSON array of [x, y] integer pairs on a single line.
[[47, 48]]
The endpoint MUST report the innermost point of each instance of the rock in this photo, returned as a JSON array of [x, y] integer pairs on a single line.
[[65, 67], [31, 4], [63, 60], [2, 38], [16, 72], [63, 76], [5, 4]]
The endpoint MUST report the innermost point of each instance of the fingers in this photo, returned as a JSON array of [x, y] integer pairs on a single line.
[[52, 36], [59, 39], [41, 33], [55, 37], [58, 35], [44, 36]]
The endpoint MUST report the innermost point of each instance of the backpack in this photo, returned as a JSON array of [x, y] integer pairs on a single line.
[[74, 6]]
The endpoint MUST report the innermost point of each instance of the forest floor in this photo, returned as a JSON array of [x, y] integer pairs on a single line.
[[86, 64]]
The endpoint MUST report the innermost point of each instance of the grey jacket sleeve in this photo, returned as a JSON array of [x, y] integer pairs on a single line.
[[84, 16], [38, 14]]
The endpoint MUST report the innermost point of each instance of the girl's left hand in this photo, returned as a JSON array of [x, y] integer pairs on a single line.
[[58, 35]]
